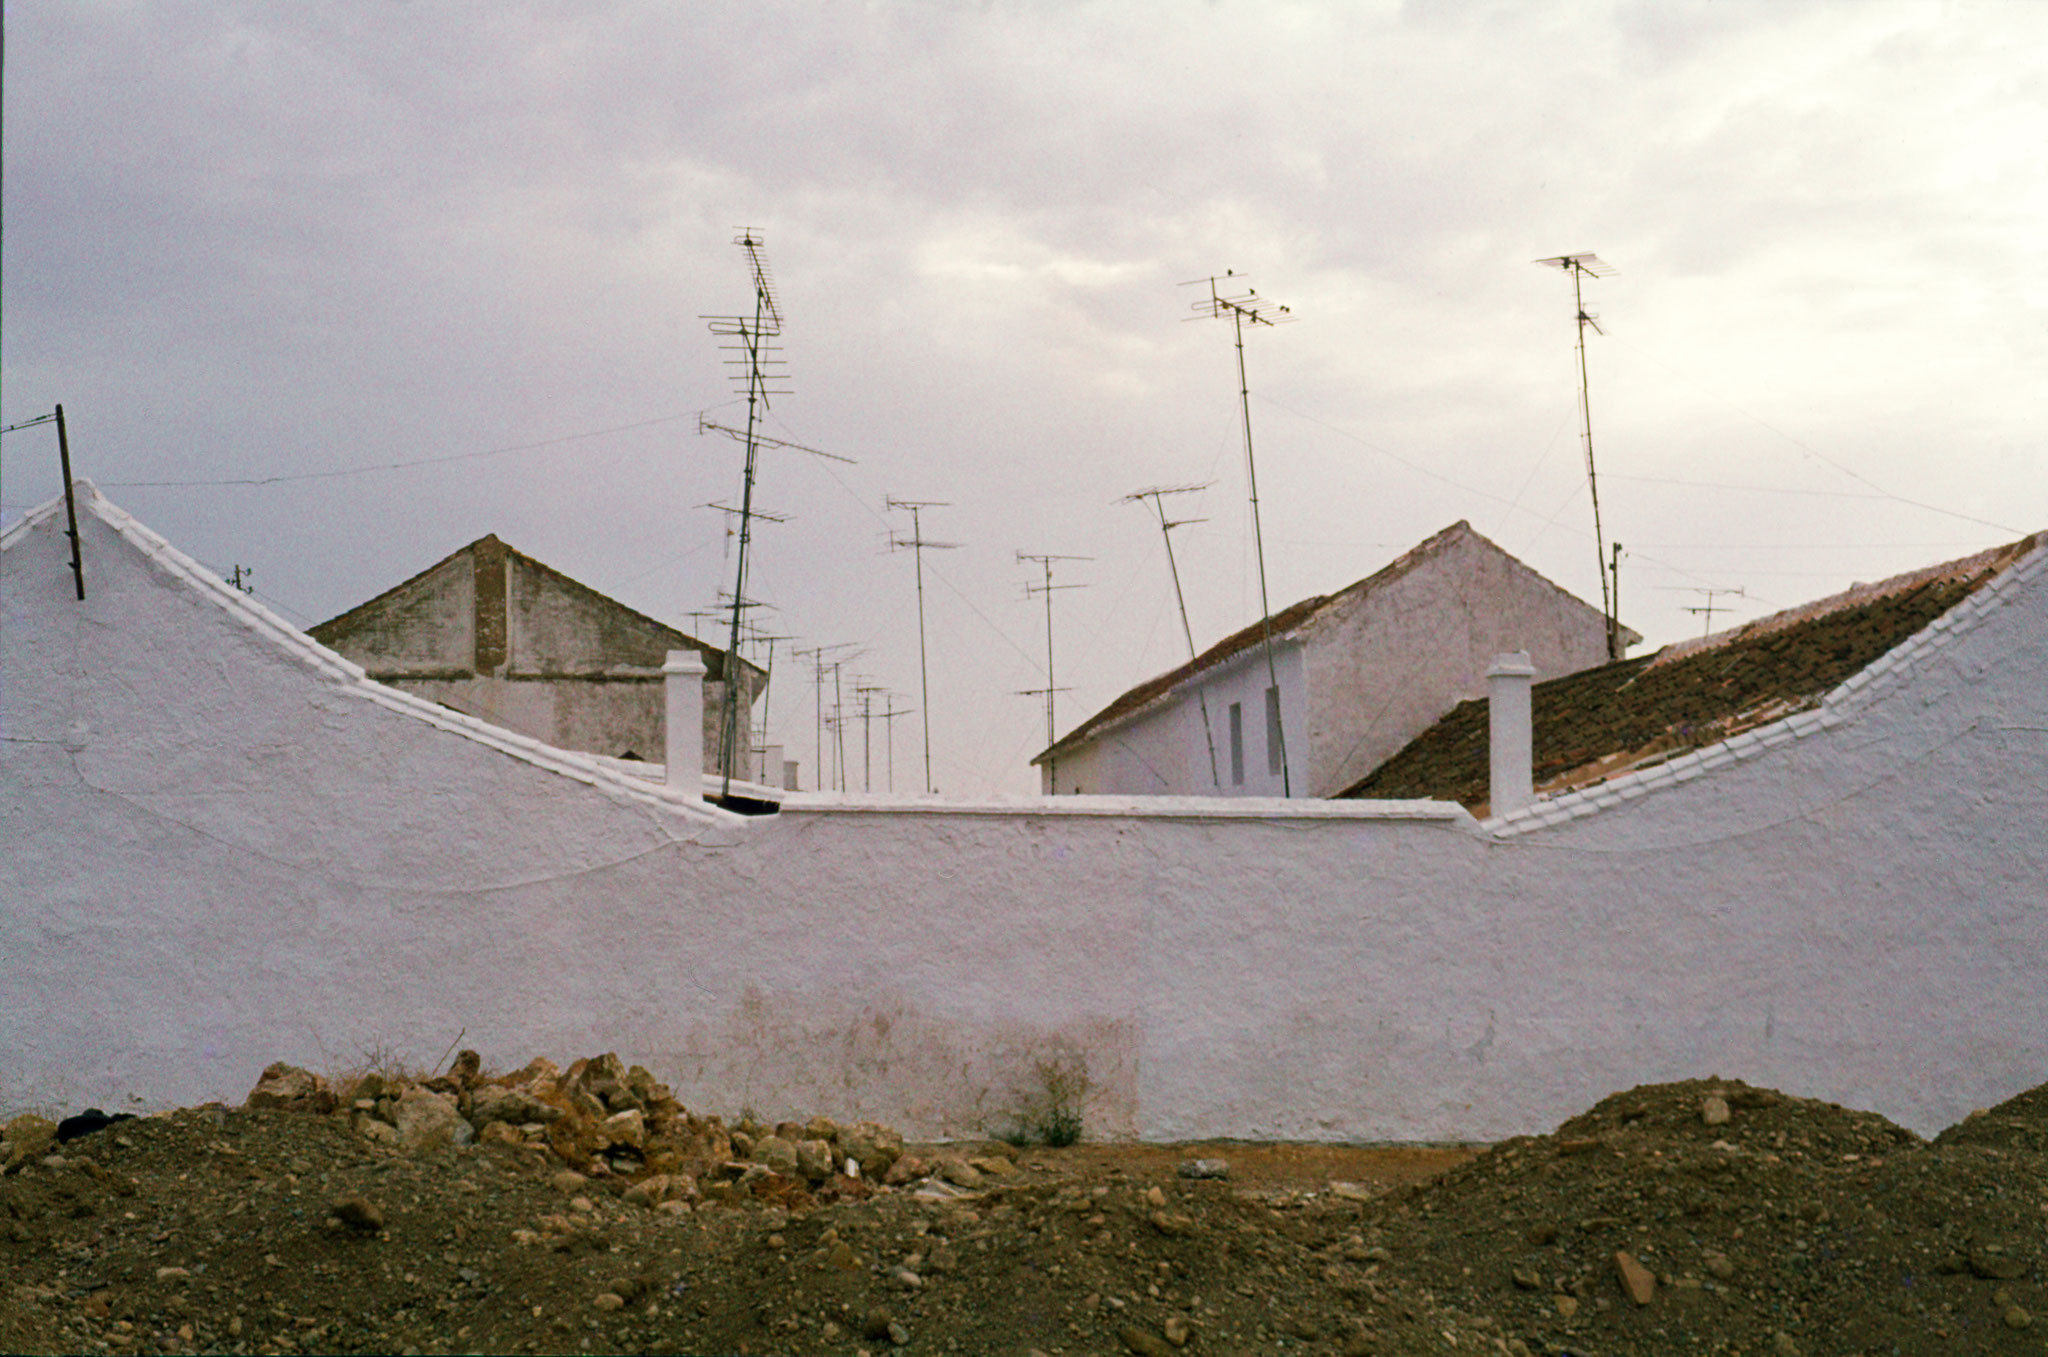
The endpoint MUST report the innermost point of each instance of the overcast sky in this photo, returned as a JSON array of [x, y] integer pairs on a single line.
[[252, 241]]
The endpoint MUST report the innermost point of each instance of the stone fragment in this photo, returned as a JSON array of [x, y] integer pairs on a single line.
[[814, 1160], [1154, 1197], [1525, 1279], [173, 1274], [2016, 1317], [1143, 1342], [776, 1154], [626, 1128], [650, 1191], [821, 1128], [1178, 1331], [959, 1172], [1204, 1168], [494, 1102], [428, 1121], [568, 1180], [877, 1323], [1714, 1110], [1719, 1267], [992, 1165], [468, 1067], [875, 1148], [288, 1086], [1172, 1225], [1782, 1345], [899, 1334], [906, 1169], [1637, 1281], [1567, 1306], [608, 1300], [359, 1214], [501, 1133], [1352, 1192]]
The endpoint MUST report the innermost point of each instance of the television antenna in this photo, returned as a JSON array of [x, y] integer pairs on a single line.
[[1156, 495], [888, 718], [820, 666], [1709, 608], [917, 542], [760, 373], [56, 416], [1051, 684], [1582, 267], [1242, 309]]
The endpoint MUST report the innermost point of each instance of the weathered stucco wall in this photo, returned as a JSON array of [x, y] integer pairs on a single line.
[[223, 849], [1371, 670]]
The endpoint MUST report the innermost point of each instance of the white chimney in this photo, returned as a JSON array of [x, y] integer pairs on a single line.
[[1510, 741], [683, 706]]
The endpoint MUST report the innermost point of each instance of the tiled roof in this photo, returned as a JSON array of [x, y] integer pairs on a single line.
[[1285, 624], [1622, 717]]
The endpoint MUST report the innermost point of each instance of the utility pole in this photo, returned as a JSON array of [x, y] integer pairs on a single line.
[[1051, 683], [1242, 309], [1581, 267], [916, 543], [1156, 494]]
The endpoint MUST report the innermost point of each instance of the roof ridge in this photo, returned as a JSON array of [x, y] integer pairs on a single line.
[[1994, 559]]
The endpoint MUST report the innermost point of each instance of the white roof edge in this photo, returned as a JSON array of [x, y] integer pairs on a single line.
[[349, 678], [1859, 689]]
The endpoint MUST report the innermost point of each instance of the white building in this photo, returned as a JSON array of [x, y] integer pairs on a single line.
[[1360, 673]]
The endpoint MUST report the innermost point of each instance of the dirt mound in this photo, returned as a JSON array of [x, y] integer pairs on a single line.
[[2018, 1123], [1700, 1217]]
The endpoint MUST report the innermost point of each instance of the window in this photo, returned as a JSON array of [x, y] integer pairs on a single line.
[[1275, 746], [1237, 744]]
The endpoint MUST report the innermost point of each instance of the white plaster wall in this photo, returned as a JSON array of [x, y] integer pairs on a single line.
[[222, 851], [1163, 751]]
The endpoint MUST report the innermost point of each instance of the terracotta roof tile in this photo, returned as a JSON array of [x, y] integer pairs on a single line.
[[1632, 715]]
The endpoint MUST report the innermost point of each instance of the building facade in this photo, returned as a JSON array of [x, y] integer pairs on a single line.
[[1353, 677], [495, 634]]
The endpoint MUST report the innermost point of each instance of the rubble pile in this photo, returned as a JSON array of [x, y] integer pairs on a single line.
[[602, 1118]]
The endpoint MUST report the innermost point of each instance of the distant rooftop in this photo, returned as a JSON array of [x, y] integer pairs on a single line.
[[1622, 717], [1286, 624]]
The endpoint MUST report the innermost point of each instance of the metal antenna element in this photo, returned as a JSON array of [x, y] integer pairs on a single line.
[[1052, 767], [56, 417], [1581, 267], [1708, 609], [866, 693], [888, 720], [1242, 309], [1156, 496], [916, 543]]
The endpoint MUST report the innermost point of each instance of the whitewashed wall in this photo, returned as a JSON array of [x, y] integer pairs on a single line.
[[222, 848]]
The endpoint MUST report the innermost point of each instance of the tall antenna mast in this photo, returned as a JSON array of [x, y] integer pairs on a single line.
[[888, 719], [760, 373], [1051, 687], [1242, 309], [1581, 267], [1156, 495], [917, 542]]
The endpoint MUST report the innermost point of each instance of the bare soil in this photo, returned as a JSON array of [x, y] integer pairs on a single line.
[[1792, 1227]]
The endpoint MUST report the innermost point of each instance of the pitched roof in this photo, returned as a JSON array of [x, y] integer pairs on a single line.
[[714, 655], [1287, 624], [1601, 723]]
